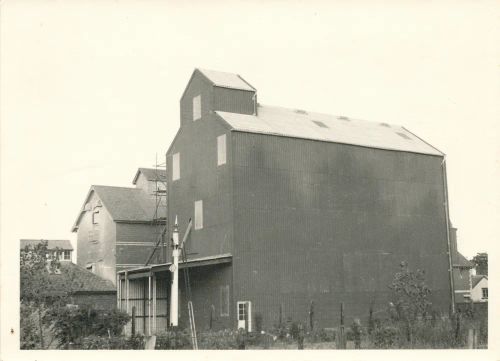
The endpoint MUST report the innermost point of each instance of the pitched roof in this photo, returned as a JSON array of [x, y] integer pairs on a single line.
[[476, 279], [328, 128], [151, 174], [124, 204], [226, 80], [79, 279], [460, 261], [63, 244]]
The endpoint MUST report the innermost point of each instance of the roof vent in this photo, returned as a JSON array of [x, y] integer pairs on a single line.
[[385, 125], [300, 111], [320, 124], [343, 117], [403, 135]]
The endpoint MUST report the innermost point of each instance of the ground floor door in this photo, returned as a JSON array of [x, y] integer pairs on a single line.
[[244, 311]]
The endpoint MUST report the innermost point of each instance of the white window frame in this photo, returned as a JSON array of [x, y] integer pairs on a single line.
[[197, 107], [483, 289], [64, 253], [176, 166], [198, 214], [221, 150]]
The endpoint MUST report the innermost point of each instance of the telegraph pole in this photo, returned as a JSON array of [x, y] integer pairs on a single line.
[[174, 269]]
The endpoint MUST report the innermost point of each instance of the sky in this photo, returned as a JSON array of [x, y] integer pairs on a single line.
[[89, 90]]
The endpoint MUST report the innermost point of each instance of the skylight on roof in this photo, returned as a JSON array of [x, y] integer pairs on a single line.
[[385, 125], [320, 124], [403, 135], [300, 111], [343, 117]]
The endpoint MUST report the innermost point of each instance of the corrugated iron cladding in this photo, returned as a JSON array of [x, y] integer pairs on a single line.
[[234, 101], [202, 179], [206, 283], [138, 295], [326, 222]]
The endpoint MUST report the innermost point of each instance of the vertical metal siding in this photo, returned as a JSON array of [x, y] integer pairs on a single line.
[[233, 100], [331, 223]]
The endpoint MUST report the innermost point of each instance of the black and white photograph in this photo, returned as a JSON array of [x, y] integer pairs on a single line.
[[318, 179]]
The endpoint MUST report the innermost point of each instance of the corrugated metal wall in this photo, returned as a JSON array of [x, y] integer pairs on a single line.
[[205, 282], [233, 100], [331, 223], [201, 179], [135, 242], [139, 297]]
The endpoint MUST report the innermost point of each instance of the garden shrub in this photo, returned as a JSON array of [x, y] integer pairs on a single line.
[[321, 335], [70, 325], [219, 340], [385, 336], [112, 343], [174, 339]]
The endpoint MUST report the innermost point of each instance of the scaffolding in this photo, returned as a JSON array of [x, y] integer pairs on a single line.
[[159, 253]]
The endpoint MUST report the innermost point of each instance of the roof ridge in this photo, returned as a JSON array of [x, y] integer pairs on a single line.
[[105, 186]]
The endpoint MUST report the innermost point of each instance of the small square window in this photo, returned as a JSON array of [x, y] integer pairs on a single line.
[[221, 149], [320, 124], [485, 293], [197, 107], [198, 215], [176, 166], [67, 255]]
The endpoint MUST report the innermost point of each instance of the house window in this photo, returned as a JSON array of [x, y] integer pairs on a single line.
[[485, 293], [224, 300], [198, 215], [221, 149], [241, 311], [197, 107], [176, 166], [95, 217], [66, 255]]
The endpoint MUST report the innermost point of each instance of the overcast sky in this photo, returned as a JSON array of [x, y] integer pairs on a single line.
[[90, 90]]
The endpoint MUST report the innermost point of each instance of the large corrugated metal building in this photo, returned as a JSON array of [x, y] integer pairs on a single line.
[[291, 207]]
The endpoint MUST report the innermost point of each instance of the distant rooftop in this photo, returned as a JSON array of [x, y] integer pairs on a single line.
[[476, 279], [328, 128], [226, 80], [79, 279], [151, 174], [52, 244], [460, 261]]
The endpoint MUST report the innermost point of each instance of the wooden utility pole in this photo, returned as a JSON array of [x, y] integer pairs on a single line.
[[342, 344]]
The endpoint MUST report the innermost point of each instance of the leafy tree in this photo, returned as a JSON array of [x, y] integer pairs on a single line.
[[410, 293], [480, 260], [410, 296], [38, 294]]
